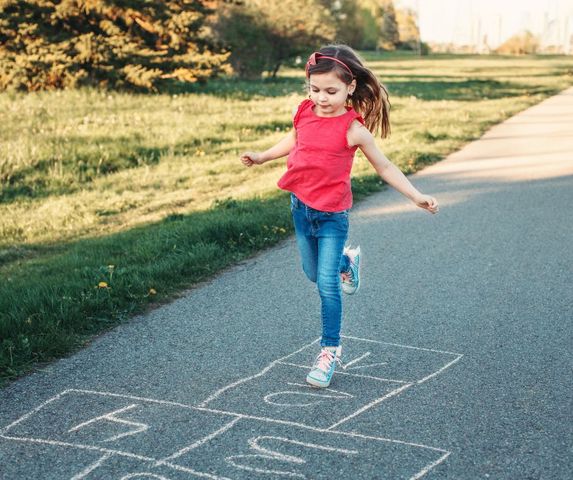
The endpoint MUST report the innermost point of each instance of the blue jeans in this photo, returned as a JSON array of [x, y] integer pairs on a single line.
[[321, 237]]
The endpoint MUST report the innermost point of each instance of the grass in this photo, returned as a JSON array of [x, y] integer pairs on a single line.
[[145, 193]]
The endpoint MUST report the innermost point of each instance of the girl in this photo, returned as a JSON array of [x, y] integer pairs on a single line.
[[346, 103]]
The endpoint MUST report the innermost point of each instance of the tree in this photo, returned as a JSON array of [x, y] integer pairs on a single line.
[[408, 30], [262, 34], [110, 43], [519, 44], [389, 34]]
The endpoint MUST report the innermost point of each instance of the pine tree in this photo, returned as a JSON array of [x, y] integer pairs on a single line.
[[125, 44]]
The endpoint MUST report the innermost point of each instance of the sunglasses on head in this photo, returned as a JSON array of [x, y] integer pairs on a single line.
[[313, 59]]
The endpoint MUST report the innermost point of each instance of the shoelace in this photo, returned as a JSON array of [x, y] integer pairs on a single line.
[[325, 359]]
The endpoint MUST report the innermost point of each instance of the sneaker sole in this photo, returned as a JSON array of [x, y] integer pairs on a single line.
[[316, 383]]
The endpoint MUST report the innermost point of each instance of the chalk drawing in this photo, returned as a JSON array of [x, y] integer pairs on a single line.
[[317, 395], [110, 417], [269, 454], [262, 438]]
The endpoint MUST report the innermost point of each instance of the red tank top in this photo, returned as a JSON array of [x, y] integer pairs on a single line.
[[318, 167]]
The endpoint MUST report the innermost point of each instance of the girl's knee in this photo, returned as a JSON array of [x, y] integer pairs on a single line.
[[328, 283], [310, 274]]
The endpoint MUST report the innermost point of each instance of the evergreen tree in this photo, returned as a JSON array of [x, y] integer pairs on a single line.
[[110, 43]]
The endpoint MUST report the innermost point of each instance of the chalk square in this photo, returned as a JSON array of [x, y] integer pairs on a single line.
[[110, 423], [383, 360], [282, 393], [254, 449]]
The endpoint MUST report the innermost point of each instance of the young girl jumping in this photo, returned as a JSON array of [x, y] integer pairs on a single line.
[[346, 103]]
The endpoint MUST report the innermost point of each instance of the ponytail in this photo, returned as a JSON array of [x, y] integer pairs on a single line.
[[370, 98]]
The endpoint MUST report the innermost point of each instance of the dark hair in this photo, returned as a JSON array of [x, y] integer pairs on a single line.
[[370, 98]]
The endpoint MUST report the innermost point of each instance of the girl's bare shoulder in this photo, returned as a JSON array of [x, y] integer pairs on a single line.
[[358, 134]]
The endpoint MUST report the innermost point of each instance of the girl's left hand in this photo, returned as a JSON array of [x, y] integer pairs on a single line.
[[428, 203]]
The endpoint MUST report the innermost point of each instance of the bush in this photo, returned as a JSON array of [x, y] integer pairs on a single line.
[[520, 44], [119, 44]]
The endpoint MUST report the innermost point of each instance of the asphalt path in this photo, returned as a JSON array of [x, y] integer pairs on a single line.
[[458, 347]]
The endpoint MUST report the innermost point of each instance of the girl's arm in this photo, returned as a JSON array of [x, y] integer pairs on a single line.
[[390, 173], [279, 150]]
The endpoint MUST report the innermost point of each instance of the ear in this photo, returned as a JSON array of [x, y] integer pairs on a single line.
[[352, 87]]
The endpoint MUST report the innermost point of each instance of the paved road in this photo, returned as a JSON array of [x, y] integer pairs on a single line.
[[458, 347]]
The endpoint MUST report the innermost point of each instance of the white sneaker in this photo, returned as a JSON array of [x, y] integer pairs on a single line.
[[323, 369]]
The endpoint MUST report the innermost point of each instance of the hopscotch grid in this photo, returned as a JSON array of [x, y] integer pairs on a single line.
[[110, 452], [201, 407], [359, 375]]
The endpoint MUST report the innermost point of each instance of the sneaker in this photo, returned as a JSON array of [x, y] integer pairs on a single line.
[[323, 369], [351, 278]]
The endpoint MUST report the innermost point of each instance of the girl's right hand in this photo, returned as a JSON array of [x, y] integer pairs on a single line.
[[251, 158]]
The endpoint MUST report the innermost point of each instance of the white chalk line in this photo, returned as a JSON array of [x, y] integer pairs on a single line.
[[393, 393], [428, 467], [200, 442], [81, 446], [110, 417], [31, 412], [366, 366], [260, 374], [399, 345], [440, 370], [356, 360], [307, 386], [131, 397], [86, 471], [144, 474], [359, 375], [268, 398], [269, 454]]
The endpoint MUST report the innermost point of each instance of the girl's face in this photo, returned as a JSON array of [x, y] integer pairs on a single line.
[[329, 93]]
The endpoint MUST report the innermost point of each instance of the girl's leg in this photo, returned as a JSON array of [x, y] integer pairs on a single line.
[[328, 279], [308, 249], [307, 243]]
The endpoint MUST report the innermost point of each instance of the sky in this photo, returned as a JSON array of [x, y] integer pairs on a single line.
[[464, 21]]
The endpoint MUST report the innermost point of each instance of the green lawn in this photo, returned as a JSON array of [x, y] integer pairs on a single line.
[[146, 192]]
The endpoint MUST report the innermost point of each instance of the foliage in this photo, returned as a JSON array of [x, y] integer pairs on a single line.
[[365, 24], [126, 44], [389, 34], [408, 30], [520, 44], [262, 34]]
